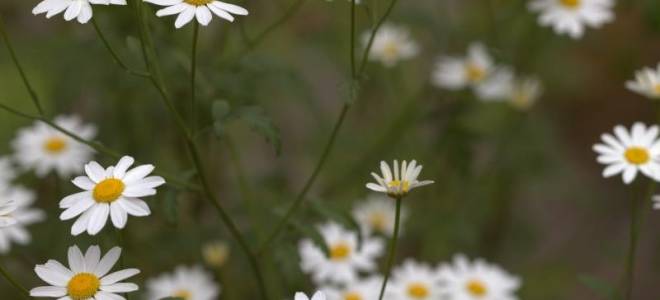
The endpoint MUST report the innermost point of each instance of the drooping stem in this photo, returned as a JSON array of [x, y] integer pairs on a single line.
[[193, 75], [372, 37], [392, 253], [114, 54], [635, 220], [22, 290]]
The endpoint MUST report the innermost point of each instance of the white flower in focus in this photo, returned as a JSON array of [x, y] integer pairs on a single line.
[[415, 281], [189, 283], [216, 253], [86, 277], [572, 16], [80, 10], [376, 215], [365, 289], [45, 149], [637, 150], [345, 258], [23, 215], [455, 73], [646, 83], [391, 44], [199, 9], [317, 296], [113, 192], [397, 184], [476, 280]]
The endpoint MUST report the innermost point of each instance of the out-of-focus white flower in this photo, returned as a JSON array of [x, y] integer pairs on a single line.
[[80, 10], [202, 10], [391, 45], [114, 192], [656, 202], [646, 83], [497, 86], [455, 73], [188, 283], [7, 172], [637, 150], [215, 253], [23, 215], [317, 296], [415, 281], [86, 277], [572, 16], [525, 92], [376, 214], [397, 184], [476, 280], [345, 258], [365, 289], [45, 149]]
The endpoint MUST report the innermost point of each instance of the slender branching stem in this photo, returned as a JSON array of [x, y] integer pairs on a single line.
[[114, 54], [635, 218], [22, 290], [392, 253], [193, 75]]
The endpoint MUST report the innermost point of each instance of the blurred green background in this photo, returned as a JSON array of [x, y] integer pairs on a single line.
[[520, 189]]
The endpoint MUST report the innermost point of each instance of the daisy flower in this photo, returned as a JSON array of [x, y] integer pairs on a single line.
[[114, 192], [190, 283], [376, 214], [23, 215], [497, 86], [391, 44], [73, 9], [572, 16], [456, 73], [646, 83], [215, 253], [503, 85], [44, 149], [415, 281], [86, 278], [7, 173], [366, 289], [199, 9], [7, 208], [476, 280], [525, 92], [403, 180], [317, 296], [344, 260], [629, 152]]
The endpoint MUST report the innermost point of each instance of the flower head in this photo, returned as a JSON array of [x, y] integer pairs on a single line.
[[376, 215], [397, 184], [22, 215], [197, 9], [364, 289], [629, 152], [476, 280], [86, 277], [114, 192], [572, 16], [646, 83], [345, 258], [414, 281], [45, 149], [391, 45], [80, 10], [455, 73], [189, 283]]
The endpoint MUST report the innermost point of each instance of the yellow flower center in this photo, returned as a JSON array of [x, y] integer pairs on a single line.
[[418, 290], [637, 155], [198, 2], [183, 294], [476, 288], [378, 221], [570, 3], [475, 73], [352, 296], [656, 89], [340, 251], [83, 286], [55, 145], [391, 50], [108, 190], [404, 186]]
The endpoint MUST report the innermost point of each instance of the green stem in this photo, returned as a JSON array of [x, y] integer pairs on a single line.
[[23, 291], [370, 42], [392, 254], [114, 54], [290, 12], [353, 66], [193, 75], [635, 211], [244, 186], [12, 54]]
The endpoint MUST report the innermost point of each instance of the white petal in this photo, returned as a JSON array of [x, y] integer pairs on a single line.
[[52, 277], [95, 172], [98, 218], [135, 207], [122, 287], [92, 257], [123, 165], [77, 209], [140, 172], [84, 183], [171, 10], [183, 19], [107, 262], [76, 260], [203, 15], [221, 13], [231, 8], [48, 291], [118, 276], [118, 215]]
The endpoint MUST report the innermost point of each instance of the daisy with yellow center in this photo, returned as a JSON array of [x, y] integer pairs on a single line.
[[216, 253], [571, 17], [456, 73], [630, 152], [344, 259], [646, 83], [363, 289], [188, 283], [15, 218], [414, 281], [376, 215], [478, 280], [86, 277], [397, 182], [391, 45], [201, 10], [44, 149], [111, 192], [80, 10]]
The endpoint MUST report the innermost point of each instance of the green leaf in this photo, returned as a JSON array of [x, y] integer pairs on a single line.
[[259, 121], [599, 286]]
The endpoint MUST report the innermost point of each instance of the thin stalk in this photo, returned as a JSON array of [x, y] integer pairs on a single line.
[[122, 262], [635, 212], [244, 185], [392, 254], [23, 291], [193, 75], [353, 21], [114, 54], [370, 42], [290, 12], [26, 82]]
